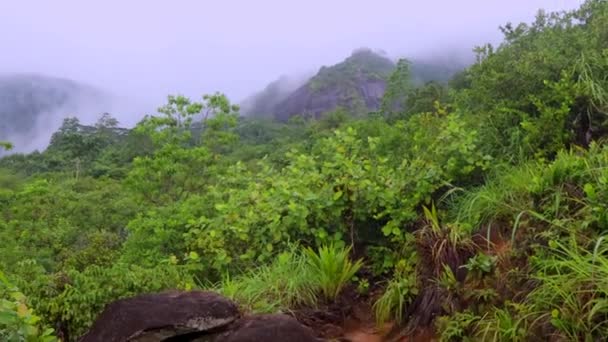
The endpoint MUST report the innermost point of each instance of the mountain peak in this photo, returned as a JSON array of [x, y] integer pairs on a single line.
[[357, 83]]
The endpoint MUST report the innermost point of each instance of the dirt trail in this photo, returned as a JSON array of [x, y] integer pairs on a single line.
[[366, 333], [360, 326], [351, 319], [363, 336]]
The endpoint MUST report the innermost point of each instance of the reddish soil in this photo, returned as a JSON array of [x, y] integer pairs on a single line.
[[351, 319]]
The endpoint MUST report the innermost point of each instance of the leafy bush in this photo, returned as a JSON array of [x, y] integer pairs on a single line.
[[74, 299], [18, 323]]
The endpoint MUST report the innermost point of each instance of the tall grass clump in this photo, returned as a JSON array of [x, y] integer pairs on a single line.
[[399, 293], [281, 285], [330, 269], [573, 291], [504, 195], [297, 277], [507, 323], [549, 192]]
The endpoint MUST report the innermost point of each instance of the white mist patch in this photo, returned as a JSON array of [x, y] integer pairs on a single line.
[[33, 107]]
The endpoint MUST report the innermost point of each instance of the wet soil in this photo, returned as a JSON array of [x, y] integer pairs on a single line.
[[351, 319]]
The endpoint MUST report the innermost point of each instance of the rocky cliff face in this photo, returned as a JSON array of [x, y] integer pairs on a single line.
[[365, 94], [357, 84]]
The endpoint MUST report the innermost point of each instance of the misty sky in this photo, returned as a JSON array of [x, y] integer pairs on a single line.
[[146, 49]]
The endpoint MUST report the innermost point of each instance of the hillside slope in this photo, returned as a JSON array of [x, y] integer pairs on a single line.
[[356, 84]]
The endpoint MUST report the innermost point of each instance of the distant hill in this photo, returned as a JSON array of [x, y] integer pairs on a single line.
[[357, 83], [32, 106]]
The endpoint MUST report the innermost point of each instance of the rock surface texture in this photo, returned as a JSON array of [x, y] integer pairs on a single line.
[[269, 328], [190, 316]]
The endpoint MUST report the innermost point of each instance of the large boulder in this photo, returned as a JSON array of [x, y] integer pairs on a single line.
[[267, 328], [157, 317], [195, 316]]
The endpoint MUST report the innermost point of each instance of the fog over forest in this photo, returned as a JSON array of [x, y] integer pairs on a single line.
[[362, 171], [138, 52]]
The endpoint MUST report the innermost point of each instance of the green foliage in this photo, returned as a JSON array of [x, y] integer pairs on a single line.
[[482, 202], [80, 150], [531, 96], [331, 269], [570, 295], [6, 145], [458, 327], [296, 277], [480, 264], [60, 223], [548, 193], [401, 289], [426, 98], [397, 90], [399, 292], [504, 324], [18, 323], [284, 284], [73, 299]]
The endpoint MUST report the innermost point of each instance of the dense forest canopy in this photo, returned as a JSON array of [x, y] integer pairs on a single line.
[[475, 209]]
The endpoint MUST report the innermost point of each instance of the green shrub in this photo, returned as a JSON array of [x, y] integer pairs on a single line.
[[480, 264], [330, 269], [74, 299], [18, 323]]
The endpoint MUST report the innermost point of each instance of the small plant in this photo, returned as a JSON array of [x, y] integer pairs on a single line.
[[447, 280], [362, 286], [382, 259], [17, 321], [401, 290], [480, 264], [503, 325], [458, 327], [330, 269], [452, 289], [483, 295]]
